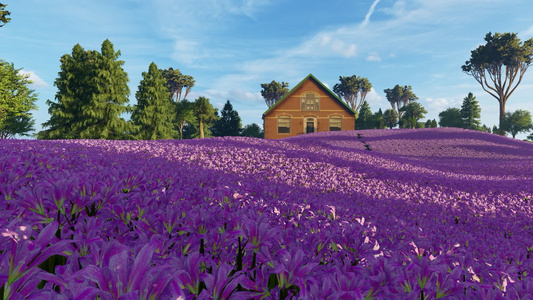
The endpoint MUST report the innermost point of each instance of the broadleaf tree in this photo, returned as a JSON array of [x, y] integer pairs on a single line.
[[412, 112], [499, 65], [92, 93], [176, 82], [353, 90], [3, 15], [17, 99], [471, 113], [184, 115], [517, 121], [451, 117], [229, 122], [204, 113], [273, 91], [154, 113], [400, 96], [253, 130]]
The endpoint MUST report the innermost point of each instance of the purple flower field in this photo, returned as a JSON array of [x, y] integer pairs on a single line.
[[425, 214]]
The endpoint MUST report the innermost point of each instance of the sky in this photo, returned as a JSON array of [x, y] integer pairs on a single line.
[[230, 47]]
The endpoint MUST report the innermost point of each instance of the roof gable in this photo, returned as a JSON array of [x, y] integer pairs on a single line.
[[320, 84]]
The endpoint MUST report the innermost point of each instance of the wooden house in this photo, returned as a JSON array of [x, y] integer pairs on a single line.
[[308, 107]]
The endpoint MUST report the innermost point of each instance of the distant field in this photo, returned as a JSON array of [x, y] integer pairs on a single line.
[[369, 214]]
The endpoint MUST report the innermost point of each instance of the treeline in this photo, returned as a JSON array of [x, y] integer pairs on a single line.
[[92, 98]]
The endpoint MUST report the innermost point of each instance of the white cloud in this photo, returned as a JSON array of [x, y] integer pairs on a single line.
[[37, 81], [440, 104], [373, 56], [374, 99], [528, 33]]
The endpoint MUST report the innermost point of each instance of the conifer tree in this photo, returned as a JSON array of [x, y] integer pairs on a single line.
[[154, 113], [229, 123], [364, 117], [92, 94], [471, 112]]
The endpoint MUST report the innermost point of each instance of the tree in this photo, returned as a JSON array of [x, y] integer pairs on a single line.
[[377, 121], [176, 82], [470, 113], [184, 115], [16, 100], [399, 97], [428, 124], [3, 15], [273, 91], [434, 123], [364, 117], [253, 130], [516, 122], [391, 118], [204, 113], [154, 113], [451, 117], [92, 94], [352, 90], [229, 124], [503, 60], [413, 112]]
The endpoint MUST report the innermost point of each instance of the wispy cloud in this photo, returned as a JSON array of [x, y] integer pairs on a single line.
[[373, 56], [37, 81], [369, 13]]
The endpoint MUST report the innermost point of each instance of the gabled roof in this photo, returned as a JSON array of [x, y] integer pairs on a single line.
[[328, 91]]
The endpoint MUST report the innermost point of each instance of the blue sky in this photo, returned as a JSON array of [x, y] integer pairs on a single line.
[[231, 47]]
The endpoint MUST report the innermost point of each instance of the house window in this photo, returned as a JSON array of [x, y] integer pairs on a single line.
[[310, 102], [335, 123], [284, 125]]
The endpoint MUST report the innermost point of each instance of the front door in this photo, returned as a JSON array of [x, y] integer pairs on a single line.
[[310, 126]]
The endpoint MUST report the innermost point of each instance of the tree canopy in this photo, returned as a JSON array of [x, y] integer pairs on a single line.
[[400, 96], [517, 121], [16, 101], [229, 123], [184, 115], [412, 112], [176, 82], [352, 90], [273, 91], [3, 15], [451, 117], [154, 112], [253, 130], [364, 118], [499, 65], [204, 113], [391, 118], [92, 94]]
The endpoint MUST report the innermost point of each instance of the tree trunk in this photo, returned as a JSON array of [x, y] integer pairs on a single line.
[[502, 114], [201, 129]]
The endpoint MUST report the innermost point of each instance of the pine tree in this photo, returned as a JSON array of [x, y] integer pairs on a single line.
[[471, 112], [154, 112], [92, 94], [364, 118], [229, 123]]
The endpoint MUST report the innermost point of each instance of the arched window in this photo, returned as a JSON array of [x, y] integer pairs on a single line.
[[284, 124], [335, 123]]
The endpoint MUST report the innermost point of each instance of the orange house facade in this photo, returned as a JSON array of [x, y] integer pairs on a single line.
[[308, 107]]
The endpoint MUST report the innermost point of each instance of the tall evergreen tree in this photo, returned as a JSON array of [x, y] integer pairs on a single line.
[[364, 118], [229, 123], [3, 15], [204, 113], [92, 94], [154, 112], [391, 118], [471, 112], [16, 100], [377, 121]]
